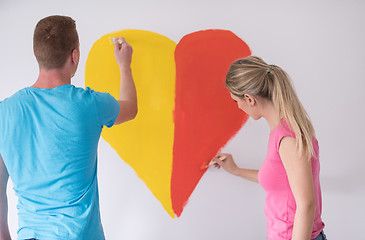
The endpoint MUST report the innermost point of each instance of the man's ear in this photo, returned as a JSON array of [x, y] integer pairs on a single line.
[[75, 56]]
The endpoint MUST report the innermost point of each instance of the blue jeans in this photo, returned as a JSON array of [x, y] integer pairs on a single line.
[[321, 236]]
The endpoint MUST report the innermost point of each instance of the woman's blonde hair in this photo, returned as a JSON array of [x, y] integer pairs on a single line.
[[253, 76]]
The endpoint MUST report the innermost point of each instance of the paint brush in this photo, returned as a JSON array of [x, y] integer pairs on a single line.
[[212, 162], [120, 41]]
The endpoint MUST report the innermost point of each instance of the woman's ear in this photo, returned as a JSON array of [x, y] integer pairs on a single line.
[[250, 100]]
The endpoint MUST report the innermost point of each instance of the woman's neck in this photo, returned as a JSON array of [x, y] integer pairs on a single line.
[[270, 114]]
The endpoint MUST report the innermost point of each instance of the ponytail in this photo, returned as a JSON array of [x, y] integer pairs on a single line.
[[290, 108]]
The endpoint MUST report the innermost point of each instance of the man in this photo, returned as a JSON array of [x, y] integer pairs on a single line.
[[49, 135]]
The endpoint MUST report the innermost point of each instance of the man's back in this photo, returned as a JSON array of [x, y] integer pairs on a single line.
[[49, 143]]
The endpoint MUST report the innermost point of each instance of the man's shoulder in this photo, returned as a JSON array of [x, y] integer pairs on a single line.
[[78, 93], [13, 98], [82, 90], [96, 94]]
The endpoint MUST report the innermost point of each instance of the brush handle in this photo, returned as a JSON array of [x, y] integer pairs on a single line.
[[120, 41], [222, 158]]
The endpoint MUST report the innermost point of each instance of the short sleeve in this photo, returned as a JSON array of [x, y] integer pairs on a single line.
[[107, 108]]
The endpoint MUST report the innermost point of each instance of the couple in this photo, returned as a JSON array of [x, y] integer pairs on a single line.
[[49, 134]]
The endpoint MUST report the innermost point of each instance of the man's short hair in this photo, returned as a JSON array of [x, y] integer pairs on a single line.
[[54, 39]]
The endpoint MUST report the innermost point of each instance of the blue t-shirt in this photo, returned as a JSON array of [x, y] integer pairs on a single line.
[[48, 141]]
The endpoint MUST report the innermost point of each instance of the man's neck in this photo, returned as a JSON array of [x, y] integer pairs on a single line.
[[51, 79]]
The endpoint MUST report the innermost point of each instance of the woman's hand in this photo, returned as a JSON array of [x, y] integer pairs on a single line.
[[226, 161]]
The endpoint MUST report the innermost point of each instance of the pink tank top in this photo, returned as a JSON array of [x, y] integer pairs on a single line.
[[280, 204]]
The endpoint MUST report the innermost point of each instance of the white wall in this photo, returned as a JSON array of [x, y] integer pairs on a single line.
[[320, 43]]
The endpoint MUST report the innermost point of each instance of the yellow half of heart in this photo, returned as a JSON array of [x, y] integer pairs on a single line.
[[145, 143]]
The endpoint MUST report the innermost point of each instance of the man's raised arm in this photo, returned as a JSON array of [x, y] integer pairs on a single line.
[[128, 96]]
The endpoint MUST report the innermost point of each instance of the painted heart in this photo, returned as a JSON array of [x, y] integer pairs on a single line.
[[185, 113]]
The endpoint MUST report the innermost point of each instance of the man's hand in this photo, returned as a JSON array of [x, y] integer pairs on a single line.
[[123, 53]]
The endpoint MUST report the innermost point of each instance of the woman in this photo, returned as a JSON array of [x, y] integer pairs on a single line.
[[290, 172]]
